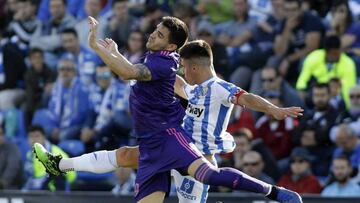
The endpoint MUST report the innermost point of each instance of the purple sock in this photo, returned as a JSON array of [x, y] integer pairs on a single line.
[[230, 178]]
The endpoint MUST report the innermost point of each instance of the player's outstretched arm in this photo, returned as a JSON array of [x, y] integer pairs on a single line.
[[179, 86], [257, 103], [108, 51]]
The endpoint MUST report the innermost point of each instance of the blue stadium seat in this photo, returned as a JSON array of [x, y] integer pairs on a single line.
[[72, 147]]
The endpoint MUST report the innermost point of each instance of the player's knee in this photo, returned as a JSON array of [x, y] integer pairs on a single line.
[[126, 157]]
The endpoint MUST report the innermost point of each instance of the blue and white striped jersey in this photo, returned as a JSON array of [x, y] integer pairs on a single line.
[[208, 113]]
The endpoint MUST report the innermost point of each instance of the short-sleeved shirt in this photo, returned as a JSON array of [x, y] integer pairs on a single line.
[[309, 23], [208, 113], [152, 103]]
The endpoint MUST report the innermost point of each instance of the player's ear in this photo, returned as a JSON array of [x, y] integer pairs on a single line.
[[172, 47]]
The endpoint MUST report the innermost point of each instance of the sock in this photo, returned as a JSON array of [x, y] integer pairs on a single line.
[[96, 162], [231, 178]]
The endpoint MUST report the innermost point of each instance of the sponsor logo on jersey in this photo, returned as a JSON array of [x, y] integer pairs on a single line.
[[186, 189], [194, 110]]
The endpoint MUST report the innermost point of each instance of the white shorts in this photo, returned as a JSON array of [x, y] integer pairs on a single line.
[[188, 189]]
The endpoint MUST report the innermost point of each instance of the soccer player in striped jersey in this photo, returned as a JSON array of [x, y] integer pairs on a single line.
[[177, 146]]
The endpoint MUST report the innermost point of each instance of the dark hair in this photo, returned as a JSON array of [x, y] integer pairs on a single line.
[[244, 132], [332, 42], [268, 67], [70, 31], [34, 128], [299, 2], [196, 49], [117, 1], [321, 86], [335, 79], [349, 16], [36, 50], [179, 32], [64, 2], [343, 157], [32, 2]]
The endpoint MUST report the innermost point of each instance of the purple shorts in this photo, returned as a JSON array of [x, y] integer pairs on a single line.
[[169, 149]]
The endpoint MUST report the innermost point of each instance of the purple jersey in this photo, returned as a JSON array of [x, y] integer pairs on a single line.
[[152, 103]]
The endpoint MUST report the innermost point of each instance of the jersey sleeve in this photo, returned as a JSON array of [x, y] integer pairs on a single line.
[[228, 90], [160, 67]]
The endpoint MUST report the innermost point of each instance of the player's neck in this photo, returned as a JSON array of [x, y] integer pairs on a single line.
[[205, 76]]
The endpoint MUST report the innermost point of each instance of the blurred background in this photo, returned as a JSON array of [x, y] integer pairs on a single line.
[[56, 91]]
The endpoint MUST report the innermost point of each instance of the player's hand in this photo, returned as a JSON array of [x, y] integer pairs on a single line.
[[112, 46], [93, 24], [282, 113]]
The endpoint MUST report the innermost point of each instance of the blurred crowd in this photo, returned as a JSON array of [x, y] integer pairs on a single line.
[[56, 91]]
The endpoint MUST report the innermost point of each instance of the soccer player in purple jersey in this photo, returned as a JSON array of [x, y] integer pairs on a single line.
[[163, 143]]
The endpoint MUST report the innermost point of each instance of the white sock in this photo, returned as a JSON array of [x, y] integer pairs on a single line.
[[96, 162]]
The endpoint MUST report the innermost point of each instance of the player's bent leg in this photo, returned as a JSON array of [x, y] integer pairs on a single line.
[[204, 172], [188, 189], [155, 197], [128, 157]]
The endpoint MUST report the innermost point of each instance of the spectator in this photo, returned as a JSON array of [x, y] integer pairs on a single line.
[[355, 102], [239, 25], [343, 185], [313, 131], [300, 177], [25, 25], [253, 166], [86, 60], [135, 47], [92, 8], [113, 124], [38, 179], [221, 62], [121, 23], [8, 8], [186, 12], [244, 143], [348, 143], [125, 183], [260, 8], [344, 25], [298, 35], [277, 135], [12, 70], [38, 83], [324, 64], [216, 11], [262, 39], [69, 105], [49, 40], [350, 117], [96, 95], [336, 99], [271, 80], [10, 163], [152, 17]]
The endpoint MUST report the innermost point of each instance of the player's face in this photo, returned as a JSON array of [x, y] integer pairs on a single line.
[[188, 71], [159, 39]]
